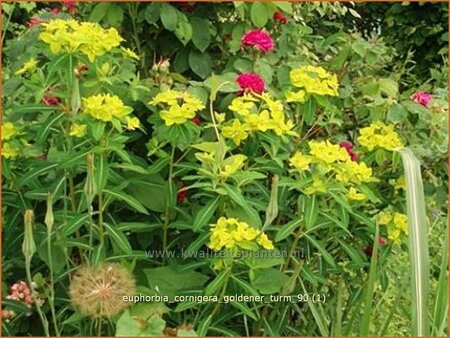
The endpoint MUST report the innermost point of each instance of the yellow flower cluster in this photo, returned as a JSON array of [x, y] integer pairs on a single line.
[[268, 116], [72, 36], [77, 130], [335, 159], [313, 80], [106, 107], [28, 66], [179, 106], [397, 222], [8, 132], [353, 194], [380, 135], [230, 233]]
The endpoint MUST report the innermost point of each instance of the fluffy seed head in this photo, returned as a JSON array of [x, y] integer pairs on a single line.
[[98, 292]]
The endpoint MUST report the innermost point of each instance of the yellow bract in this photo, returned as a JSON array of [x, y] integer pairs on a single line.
[[106, 107], [380, 135], [353, 194], [132, 122], [397, 224], [230, 233], [236, 131], [300, 161], [28, 66], [314, 80], [331, 158], [129, 53], [327, 152], [9, 151], [179, 106], [77, 130], [72, 36], [8, 131], [268, 115]]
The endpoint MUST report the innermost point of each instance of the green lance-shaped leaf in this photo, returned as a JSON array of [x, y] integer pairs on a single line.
[[272, 207], [418, 244]]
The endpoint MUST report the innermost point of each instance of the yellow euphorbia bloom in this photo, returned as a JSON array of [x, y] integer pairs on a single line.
[[231, 233], [327, 152], [353, 194], [236, 131], [314, 80], [179, 106], [8, 131], [28, 66], [380, 135], [384, 217], [105, 107], [8, 151], [300, 161], [233, 164], [85, 37], [132, 122], [298, 96], [77, 130]]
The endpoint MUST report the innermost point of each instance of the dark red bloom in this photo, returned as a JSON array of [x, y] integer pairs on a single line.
[[55, 10], [197, 120], [71, 6], [50, 100], [382, 241], [34, 22], [349, 148], [251, 82], [280, 17], [182, 194], [186, 6], [369, 249]]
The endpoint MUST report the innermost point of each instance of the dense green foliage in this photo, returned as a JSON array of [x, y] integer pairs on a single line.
[[102, 163]]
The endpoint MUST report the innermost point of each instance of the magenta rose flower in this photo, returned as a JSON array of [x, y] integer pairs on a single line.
[[250, 82], [258, 38], [422, 98]]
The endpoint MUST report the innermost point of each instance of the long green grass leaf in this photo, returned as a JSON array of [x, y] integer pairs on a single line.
[[418, 243]]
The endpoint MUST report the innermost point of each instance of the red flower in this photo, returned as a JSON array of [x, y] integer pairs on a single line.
[[259, 39], [197, 120], [349, 148], [71, 6], [55, 10], [422, 98], [280, 17], [182, 194], [369, 249], [50, 100], [250, 82], [34, 22], [382, 241]]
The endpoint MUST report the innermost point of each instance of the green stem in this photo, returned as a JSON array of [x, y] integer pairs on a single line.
[[35, 299], [100, 218], [167, 209], [7, 22], [133, 15], [51, 299], [224, 290]]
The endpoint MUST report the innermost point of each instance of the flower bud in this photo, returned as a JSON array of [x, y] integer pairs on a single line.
[[49, 219], [28, 245]]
